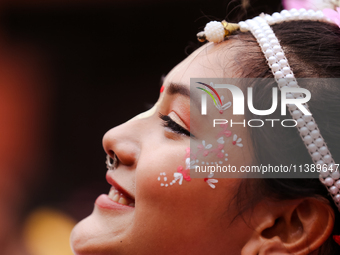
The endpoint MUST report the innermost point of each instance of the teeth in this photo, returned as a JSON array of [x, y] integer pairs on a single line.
[[122, 201], [120, 198], [115, 198]]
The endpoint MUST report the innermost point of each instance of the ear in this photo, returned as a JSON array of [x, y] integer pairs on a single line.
[[289, 227]]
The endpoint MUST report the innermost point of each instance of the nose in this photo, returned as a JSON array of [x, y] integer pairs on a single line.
[[124, 141]]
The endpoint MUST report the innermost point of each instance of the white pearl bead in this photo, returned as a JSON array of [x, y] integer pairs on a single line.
[[283, 62], [315, 134], [311, 125], [289, 76], [278, 75], [319, 15], [263, 40], [329, 181], [261, 35], [302, 10], [279, 55], [300, 122], [293, 10], [269, 53], [292, 107], [311, 12], [295, 15], [316, 156], [277, 16], [271, 60], [289, 96], [293, 84], [269, 19], [337, 198], [307, 118], [282, 82], [258, 19], [276, 48], [297, 114], [323, 150], [271, 37], [313, 16], [335, 175], [265, 46], [327, 159], [323, 171], [312, 147], [305, 15], [273, 42], [333, 190], [319, 142], [258, 31], [286, 70], [268, 31], [304, 131], [337, 184], [307, 139], [244, 28], [275, 67]]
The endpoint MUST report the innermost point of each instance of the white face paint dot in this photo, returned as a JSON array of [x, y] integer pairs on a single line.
[[222, 150], [164, 173], [162, 184], [165, 179], [202, 162], [220, 162], [212, 163], [196, 160], [159, 178], [226, 159], [207, 163], [166, 185], [170, 183]]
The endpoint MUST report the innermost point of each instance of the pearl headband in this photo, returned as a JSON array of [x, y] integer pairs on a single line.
[[259, 26]]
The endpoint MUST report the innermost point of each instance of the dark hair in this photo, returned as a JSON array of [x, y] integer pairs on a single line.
[[313, 51]]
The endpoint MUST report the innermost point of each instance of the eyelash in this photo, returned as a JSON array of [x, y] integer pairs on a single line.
[[169, 123]]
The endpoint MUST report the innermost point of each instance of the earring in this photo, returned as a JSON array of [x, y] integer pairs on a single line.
[[113, 165]]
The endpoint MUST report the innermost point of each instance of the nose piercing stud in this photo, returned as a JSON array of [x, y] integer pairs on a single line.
[[109, 165]]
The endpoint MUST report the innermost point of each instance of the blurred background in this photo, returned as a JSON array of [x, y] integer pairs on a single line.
[[68, 69]]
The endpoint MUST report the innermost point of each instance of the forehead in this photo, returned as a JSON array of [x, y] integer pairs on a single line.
[[209, 61]]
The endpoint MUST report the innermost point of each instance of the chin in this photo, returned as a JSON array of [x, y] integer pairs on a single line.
[[89, 238]]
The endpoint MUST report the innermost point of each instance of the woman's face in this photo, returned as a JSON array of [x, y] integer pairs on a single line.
[[168, 218]]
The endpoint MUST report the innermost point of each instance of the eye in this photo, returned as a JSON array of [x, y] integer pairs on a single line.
[[174, 126]]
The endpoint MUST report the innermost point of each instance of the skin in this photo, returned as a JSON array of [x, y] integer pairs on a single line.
[[191, 218]]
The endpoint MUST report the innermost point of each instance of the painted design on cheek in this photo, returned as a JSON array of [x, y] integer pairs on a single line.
[[162, 178], [181, 172], [211, 181], [237, 141], [224, 132]]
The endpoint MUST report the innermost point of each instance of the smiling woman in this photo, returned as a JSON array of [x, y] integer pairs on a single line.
[[155, 207]]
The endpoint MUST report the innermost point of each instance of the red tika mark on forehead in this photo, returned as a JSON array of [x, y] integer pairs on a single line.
[[234, 142], [205, 179], [162, 89], [336, 238]]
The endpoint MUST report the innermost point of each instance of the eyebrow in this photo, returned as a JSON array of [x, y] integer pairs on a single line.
[[178, 88]]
